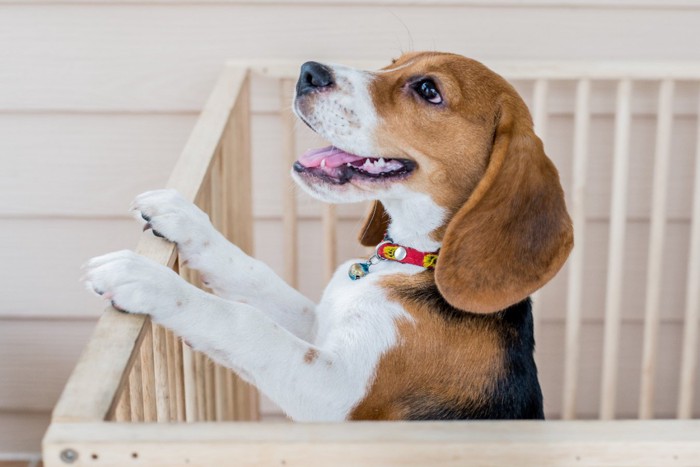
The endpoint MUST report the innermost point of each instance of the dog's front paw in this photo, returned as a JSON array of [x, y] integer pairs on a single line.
[[135, 284], [172, 217]]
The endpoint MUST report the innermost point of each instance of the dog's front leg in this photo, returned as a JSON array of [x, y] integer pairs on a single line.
[[306, 381], [228, 271]]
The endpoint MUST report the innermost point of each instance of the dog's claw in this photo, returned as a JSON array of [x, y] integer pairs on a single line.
[[146, 226], [114, 305]]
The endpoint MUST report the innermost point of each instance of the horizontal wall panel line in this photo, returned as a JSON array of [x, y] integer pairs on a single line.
[[550, 113], [275, 217], [544, 320], [265, 111], [49, 317], [61, 111], [22, 411], [588, 4]]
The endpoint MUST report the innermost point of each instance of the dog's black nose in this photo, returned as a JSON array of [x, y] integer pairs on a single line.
[[313, 76]]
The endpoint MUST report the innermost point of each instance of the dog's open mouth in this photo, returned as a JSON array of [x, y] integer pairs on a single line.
[[337, 166]]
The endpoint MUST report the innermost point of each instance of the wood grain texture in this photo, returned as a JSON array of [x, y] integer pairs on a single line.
[[523, 443], [656, 247]]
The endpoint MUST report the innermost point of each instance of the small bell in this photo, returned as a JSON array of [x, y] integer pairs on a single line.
[[358, 271]]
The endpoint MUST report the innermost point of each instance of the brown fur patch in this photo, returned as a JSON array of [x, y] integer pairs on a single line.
[[439, 359], [375, 226], [310, 356]]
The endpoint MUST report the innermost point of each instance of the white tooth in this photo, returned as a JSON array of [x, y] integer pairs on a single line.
[[323, 163], [348, 164], [382, 162]]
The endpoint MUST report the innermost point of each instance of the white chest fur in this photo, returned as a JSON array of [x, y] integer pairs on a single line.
[[357, 322]]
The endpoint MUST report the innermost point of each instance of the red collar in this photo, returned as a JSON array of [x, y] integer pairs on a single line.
[[388, 250], [407, 255]]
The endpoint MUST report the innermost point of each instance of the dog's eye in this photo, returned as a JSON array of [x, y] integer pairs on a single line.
[[427, 90]]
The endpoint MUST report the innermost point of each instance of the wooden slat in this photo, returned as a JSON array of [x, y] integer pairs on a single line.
[[613, 298], [103, 367], [190, 386], [539, 120], [123, 412], [330, 239], [136, 391], [656, 249], [512, 443], [179, 380], [689, 354], [209, 390], [574, 297], [220, 406], [231, 388], [200, 391], [160, 364], [539, 108], [148, 377], [216, 192], [237, 174], [289, 212], [172, 383]]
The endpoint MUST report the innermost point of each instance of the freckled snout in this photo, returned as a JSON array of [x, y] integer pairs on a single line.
[[314, 77]]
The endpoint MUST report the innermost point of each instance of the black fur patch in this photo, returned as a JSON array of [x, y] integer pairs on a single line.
[[517, 395]]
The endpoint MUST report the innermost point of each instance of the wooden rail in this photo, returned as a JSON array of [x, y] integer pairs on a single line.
[[100, 387], [522, 443], [134, 371]]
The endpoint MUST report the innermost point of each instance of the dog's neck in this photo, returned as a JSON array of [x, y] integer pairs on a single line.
[[413, 220]]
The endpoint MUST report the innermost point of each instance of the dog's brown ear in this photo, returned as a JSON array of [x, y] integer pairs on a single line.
[[375, 226], [513, 233]]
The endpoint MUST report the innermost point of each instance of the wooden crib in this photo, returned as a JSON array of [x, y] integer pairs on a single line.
[[139, 396]]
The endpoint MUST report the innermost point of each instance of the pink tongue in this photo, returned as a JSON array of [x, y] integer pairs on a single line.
[[334, 157]]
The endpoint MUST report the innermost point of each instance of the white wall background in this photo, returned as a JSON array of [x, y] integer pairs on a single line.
[[98, 97]]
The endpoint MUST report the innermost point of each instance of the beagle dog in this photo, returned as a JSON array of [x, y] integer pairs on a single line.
[[468, 217]]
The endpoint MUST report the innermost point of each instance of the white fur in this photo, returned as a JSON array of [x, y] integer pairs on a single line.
[[316, 361]]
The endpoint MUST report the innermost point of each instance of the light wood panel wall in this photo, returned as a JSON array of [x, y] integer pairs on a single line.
[[98, 98]]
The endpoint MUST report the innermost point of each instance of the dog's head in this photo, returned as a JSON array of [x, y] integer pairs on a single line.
[[444, 126]]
